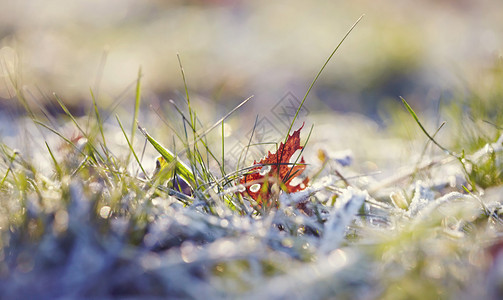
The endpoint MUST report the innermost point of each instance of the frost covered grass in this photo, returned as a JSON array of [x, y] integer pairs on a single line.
[[92, 220]]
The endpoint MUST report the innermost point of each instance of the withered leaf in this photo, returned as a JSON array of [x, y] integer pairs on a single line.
[[275, 168]]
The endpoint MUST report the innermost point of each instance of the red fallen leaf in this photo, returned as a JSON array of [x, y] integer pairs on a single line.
[[258, 182]]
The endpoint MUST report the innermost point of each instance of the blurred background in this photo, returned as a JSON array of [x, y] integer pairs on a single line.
[[233, 49], [425, 51]]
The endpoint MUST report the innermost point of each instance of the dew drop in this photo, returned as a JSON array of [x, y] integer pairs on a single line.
[[295, 181], [105, 211], [255, 188], [265, 170]]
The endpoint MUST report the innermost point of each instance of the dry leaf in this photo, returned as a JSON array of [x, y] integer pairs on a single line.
[[275, 169]]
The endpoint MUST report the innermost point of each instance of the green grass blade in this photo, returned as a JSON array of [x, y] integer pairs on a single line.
[[95, 151], [136, 105], [289, 175], [414, 115], [205, 132], [60, 135], [319, 73], [59, 171], [99, 121], [192, 120], [69, 114], [9, 169], [223, 150], [135, 118], [423, 153], [181, 169], [200, 136], [130, 146], [248, 145]]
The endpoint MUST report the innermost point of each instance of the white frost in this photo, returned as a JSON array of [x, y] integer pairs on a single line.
[[342, 214]]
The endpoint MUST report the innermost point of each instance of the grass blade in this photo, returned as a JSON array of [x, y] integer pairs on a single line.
[[414, 115], [9, 169], [181, 169], [59, 171], [130, 146], [136, 105], [99, 121], [319, 73]]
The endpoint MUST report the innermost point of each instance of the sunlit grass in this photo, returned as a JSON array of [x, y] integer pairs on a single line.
[[96, 222]]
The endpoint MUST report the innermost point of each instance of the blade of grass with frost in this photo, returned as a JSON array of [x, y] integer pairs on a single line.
[[288, 175], [196, 154], [131, 146], [487, 211], [68, 113], [318, 75], [9, 168], [19, 94], [229, 177], [101, 70], [179, 196], [161, 117], [136, 106], [74, 146], [59, 172], [316, 79], [89, 141], [135, 119], [13, 154], [99, 121], [192, 121], [97, 82], [414, 115], [247, 146], [110, 160], [181, 168], [80, 166], [205, 132], [60, 135], [223, 147], [190, 155], [423, 153], [493, 124], [200, 138], [198, 159], [461, 158], [41, 107], [187, 145], [209, 154], [207, 176]]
